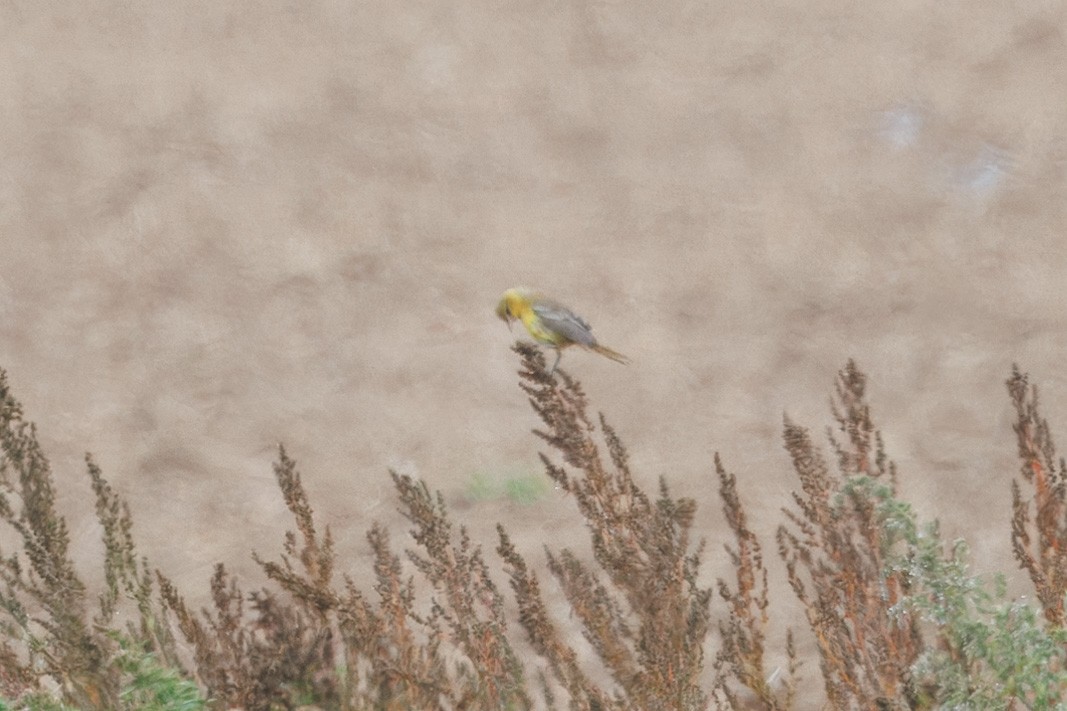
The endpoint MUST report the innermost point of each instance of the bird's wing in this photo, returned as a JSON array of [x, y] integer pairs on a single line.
[[557, 317]]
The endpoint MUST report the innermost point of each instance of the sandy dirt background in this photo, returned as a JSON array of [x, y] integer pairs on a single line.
[[229, 224]]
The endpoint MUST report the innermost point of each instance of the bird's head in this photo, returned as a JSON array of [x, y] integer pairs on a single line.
[[511, 303]]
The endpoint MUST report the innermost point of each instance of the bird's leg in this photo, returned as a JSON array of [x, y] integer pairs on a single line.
[[559, 354]]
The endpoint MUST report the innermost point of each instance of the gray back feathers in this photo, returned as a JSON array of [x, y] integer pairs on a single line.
[[565, 322]]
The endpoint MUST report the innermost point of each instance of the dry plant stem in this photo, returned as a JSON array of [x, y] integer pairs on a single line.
[[127, 577], [62, 643], [396, 654], [404, 655], [651, 638], [1039, 543], [741, 656], [283, 648], [545, 637], [471, 606], [834, 554]]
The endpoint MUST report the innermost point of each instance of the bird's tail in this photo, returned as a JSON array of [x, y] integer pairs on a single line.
[[614, 355]]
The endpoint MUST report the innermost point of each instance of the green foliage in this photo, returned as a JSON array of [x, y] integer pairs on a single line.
[[38, 701], [992, 651], [149, 685], [521, 489]]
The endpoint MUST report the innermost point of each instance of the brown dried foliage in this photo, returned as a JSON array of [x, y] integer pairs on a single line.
[[1039, 541], [61, 638], [431, 633], [740, 659], [834, 552], [253, 662], [45, 604], [641, 608], [391, 654]]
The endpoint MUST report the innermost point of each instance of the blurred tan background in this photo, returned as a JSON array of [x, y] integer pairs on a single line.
[[230, 224]]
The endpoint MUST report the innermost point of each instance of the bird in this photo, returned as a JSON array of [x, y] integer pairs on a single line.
[[551, 323]]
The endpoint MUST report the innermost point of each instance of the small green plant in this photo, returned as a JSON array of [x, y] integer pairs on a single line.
[[522, 489], [37, 701], [151, 686], [991, 652]]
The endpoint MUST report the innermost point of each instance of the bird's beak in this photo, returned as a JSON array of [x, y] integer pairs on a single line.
[[503, 314]]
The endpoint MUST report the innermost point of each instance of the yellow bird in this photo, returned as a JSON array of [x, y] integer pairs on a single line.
[[551, 323]]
